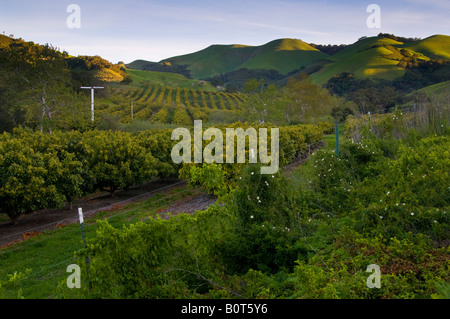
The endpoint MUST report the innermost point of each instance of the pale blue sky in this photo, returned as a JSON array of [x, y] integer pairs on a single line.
[[157, 29]]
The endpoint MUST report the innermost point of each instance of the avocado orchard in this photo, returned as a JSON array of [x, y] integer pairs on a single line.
[[40, 170]]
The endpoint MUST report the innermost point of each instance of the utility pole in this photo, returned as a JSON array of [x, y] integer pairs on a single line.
[[92, 88]]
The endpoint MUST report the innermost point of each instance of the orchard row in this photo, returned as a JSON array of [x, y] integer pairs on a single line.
[[166, 104]]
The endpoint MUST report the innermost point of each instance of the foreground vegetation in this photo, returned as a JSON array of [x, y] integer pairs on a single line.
[[312, 234]]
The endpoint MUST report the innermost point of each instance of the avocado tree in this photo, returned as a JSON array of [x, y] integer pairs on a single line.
[[117, 161], [27, 179]]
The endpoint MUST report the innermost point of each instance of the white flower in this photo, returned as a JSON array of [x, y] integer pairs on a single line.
[[251, 217], [381, 217], [388, 193], [412, 214], [253, 173]]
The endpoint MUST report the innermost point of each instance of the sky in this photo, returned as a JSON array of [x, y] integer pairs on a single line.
[[154, 30]]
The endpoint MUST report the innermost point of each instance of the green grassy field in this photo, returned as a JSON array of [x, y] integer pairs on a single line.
[[437, 46], [364, 59], [436, 90]]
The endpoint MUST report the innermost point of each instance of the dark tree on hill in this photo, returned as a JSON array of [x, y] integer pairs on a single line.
[[345, 83], [397, 38], [329, 49]]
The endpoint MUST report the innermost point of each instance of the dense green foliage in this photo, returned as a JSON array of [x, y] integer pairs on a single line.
[[309, 236]]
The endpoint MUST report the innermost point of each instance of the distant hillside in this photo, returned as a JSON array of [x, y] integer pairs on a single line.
[[365, 58], [384, 57], [283, 55]]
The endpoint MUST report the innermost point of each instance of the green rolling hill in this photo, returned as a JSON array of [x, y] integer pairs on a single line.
[[437, 46], [379, 57], [283, 55], [374, 58], [365, 58]]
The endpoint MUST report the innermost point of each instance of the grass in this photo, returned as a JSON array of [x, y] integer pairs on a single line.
[[364, 60], [436, 46], [436, 90], [47, 255]]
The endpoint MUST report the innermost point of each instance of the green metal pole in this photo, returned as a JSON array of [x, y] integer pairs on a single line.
[[337, 138], [83, 234]]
